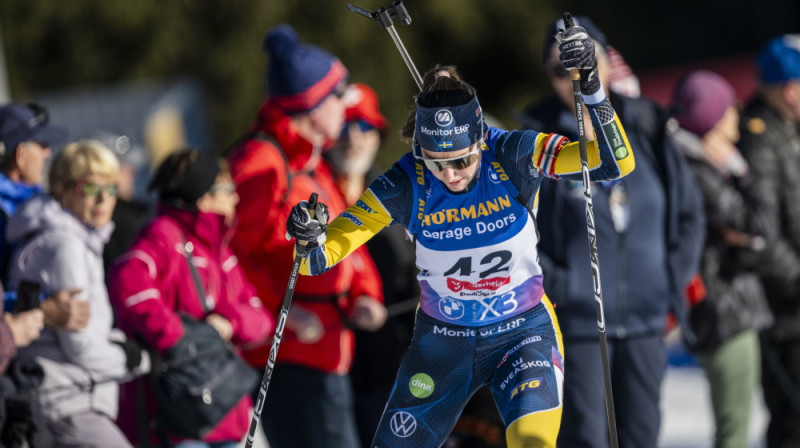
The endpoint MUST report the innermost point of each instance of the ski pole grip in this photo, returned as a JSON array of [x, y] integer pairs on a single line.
[[574, 74], [312, 205], [568, 23]]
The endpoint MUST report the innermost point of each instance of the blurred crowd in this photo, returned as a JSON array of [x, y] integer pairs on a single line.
[[108, 299]]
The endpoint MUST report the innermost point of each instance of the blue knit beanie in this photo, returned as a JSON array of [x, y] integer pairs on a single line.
[[300, 75], [779, 60]]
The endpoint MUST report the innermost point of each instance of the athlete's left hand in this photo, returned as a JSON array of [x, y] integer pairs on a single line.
[[368, 314], [306, 227], [578, 52]]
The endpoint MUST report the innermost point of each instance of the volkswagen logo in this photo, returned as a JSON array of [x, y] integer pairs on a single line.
[[403, 424], [443, 117]]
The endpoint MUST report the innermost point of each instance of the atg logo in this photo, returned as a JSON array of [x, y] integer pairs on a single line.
[[403, 424], [443, 117]]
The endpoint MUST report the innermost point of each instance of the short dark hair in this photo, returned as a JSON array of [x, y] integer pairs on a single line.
[[185, 176]]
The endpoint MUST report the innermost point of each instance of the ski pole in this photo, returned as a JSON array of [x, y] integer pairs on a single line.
[[384, 18], [276, 341], [575, 75]]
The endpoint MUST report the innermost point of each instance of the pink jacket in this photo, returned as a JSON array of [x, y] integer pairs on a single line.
[[152, 282]]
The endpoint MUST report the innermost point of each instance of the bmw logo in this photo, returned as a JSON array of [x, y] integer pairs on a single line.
[[451, 308]]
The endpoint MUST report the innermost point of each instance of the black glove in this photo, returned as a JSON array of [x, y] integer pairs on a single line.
[[133, 353], [577, 51], [302, 227]]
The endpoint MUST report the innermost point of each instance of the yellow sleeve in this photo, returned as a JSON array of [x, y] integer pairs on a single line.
[[347, 232], [609, 155]]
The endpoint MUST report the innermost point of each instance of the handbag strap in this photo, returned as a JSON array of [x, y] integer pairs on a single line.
[[188, 248]]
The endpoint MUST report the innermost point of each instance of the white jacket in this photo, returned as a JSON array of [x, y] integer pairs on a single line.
[[60, 252]]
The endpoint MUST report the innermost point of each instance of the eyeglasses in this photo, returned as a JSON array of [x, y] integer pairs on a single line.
[[91, 189], [458, 163], [228, 188]]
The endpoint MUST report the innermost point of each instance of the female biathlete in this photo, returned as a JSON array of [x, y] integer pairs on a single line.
[[467, 194]]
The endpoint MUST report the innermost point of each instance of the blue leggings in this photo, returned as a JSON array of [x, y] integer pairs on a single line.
[[520, 358]]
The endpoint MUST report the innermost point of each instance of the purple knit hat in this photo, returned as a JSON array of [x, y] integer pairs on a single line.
[[300, 76], [700, 99]]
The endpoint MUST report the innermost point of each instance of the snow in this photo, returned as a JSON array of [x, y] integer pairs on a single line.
[[687, 421]]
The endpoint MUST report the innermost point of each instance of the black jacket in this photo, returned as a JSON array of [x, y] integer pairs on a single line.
[[771, 146], [734, 300], [645, 268]]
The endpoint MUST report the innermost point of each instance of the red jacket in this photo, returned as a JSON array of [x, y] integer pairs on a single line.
[[259, 171], [151, 282]]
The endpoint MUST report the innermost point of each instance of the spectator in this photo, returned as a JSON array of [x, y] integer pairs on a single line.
[[621, 78], [18, 330], [19, 421], [378, 354], [61, 237], [26, 135], [727, 321], [771, 144], [649, 228], [151, 284], [280, 163], [131, 212]]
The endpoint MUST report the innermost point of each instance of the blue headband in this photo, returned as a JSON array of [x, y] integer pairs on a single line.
[[442, 129]]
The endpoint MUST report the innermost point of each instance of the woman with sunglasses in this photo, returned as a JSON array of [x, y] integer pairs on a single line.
[[60, 238], [467, 193], [151, 286]]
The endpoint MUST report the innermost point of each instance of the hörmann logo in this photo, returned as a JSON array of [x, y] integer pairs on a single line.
[[449, 215], [443, 117]]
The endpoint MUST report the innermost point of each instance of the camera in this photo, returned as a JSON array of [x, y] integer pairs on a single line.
[[29, 296]]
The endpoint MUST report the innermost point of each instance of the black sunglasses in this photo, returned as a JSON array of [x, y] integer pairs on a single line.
[[458, 163]]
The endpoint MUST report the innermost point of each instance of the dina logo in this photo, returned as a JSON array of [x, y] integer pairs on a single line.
[[421, 385], [443, 118], [403, 424]]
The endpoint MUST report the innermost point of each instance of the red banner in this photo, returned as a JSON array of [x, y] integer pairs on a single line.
[[489, 283]]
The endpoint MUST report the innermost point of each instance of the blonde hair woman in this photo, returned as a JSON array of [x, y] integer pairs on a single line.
[[61, 237]]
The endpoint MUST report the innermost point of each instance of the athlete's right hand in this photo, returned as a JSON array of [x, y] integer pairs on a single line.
[[305, 228]]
